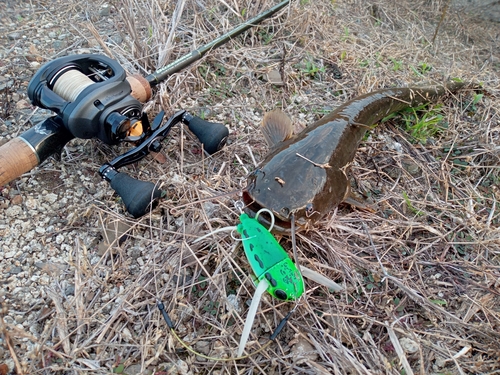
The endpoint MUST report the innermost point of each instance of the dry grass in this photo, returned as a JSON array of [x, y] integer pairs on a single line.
[[421, 272]]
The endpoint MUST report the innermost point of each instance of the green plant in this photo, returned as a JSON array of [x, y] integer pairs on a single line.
[[423, 67], [364, 63], [410, 205], [212, 307], [396, 64], [346, 34], [428, 125], [311, 69], [343, 55], [421, 122], [266, 36], [476, 99]]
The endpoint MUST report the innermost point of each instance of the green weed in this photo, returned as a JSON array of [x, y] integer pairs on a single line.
[[475, 101], [345, 37], [421, 122], [396, 64], [422, 69], [311, 69], [410, 205]]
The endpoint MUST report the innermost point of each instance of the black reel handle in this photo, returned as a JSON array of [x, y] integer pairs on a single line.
[[212, 135], [139, 197]]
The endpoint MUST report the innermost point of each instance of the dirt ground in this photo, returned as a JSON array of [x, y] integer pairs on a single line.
[[420, 270]]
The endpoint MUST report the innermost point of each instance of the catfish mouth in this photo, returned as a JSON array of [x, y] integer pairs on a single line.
[[252, 207]]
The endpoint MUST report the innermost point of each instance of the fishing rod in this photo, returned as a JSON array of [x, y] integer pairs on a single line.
[[92, 96]]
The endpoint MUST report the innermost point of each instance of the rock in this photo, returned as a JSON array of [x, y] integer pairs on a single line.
[[210, 208], [233, 303], [16, 200], [15, 270], [22, 104], [13, 211], [408, 345], [133, 369], [105, 10], [117, 38], [274, 77], [202, 347], [303, 348], [14, 36]]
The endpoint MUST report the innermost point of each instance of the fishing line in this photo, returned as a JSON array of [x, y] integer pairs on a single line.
[[170, 325], [70, 84]]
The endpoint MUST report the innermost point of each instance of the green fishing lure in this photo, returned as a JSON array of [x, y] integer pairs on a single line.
[[269, 260]]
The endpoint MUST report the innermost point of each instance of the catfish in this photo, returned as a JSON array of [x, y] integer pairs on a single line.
[[304, 175]]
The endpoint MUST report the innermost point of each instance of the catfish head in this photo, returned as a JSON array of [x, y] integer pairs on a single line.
[[298, 176]]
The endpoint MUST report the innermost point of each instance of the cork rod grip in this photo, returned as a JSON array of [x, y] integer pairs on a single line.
[[141, 90], [16, 158]]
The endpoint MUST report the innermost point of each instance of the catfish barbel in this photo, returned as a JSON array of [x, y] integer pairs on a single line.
[[304, 174]]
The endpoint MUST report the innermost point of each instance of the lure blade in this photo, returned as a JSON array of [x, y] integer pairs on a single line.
[[252, 311], [320, 279], [269, 260]]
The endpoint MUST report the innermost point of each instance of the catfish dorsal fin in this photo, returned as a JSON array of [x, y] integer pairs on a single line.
[[276, 127]]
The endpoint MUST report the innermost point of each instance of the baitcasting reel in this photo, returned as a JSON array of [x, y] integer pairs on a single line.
[[92, 97]]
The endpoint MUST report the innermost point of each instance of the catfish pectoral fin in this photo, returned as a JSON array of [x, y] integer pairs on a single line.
[[276, 127]]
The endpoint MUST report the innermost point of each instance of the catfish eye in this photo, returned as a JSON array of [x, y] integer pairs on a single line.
[[280, 294], [309, 208]]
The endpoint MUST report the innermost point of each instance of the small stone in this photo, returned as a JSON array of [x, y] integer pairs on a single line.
[[15, 270], [133, 369], [16, 200], [105, 10], [51, 198], [411, 167], [210, 208], [126, 335], [274, 77], [22, 104], [69, 290], [117, 38], [59, 44], [203, 347], [13, 211], [304, 349], [408, 345], [9, 255], [15, 35], [233, 303]]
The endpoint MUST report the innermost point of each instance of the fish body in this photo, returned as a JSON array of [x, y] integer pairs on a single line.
[[304, 175]]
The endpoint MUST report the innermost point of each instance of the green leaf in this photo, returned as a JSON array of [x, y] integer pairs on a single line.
[[440, 302]]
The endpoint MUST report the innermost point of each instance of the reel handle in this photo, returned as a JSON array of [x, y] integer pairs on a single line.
[[212, 135], [138, 196]]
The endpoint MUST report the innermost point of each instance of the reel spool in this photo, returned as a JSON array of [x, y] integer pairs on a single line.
[[92, 96]]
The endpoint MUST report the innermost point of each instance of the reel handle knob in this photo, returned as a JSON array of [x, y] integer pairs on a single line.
[[212, 135], [138, 196]]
